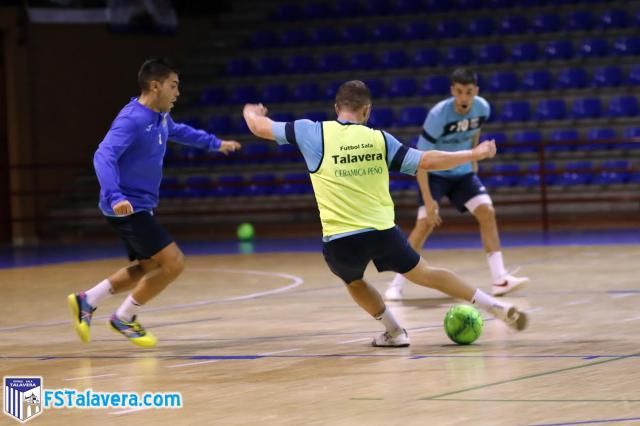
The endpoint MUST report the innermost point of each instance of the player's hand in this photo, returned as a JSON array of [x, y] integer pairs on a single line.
[[433, 212], [229, 146], [123, 208], [486, 149], [257, 109]]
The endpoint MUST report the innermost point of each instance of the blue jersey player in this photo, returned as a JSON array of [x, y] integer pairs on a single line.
[[452, 125], [128, 165]]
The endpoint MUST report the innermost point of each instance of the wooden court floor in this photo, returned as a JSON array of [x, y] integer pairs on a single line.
[[274, 339]]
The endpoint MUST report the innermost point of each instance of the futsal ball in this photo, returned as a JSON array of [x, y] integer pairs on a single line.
[[463, 324], [245, 231]]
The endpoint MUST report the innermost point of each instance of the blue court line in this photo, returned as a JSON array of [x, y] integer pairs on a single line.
[[590, 422]]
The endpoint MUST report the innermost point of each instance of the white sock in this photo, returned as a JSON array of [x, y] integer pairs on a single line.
[[398, 281], [128, 309], [496, 266], [99, 292], [389, 322], [486, 302]]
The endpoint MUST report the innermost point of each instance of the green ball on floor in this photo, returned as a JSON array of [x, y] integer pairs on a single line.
[[245, 231]]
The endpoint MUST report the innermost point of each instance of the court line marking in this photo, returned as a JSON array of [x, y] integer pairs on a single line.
[[297, 281], [531, 376], [578, 302], [278, 352], [186, 364], [89, 377], [130, 410], [589, 422]]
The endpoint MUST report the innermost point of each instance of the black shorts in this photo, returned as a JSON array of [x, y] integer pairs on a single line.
[[141, 233], [458, 189], [348, 257]]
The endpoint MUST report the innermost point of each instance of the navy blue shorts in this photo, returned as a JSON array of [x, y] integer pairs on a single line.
[[348, 257], [141, 233], [459, 189]]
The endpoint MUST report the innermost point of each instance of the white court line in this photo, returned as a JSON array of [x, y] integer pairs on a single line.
[[279, 352], [208, 361], [621, 295], [630, 319], [578, 302], [130, 410], [344, 342], [90, 377]]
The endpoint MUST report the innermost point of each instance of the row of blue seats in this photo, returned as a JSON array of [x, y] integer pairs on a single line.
[[492, 53], [483, 26], [436, 85], [357, 8], [500, 175]]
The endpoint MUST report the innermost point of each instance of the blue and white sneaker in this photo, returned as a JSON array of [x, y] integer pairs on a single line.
[[134, 331]]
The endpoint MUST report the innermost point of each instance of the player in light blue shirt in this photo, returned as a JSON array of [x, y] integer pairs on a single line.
[[453, 125]]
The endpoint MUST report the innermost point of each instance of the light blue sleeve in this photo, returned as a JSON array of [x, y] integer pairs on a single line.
[[431, 130], [396, 152], [306, 135], [485, 108]]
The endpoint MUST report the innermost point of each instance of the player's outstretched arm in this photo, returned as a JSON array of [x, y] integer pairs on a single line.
[[256, 117], [442, 160]]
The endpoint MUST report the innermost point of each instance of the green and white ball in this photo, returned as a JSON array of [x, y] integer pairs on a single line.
[[463, 324]]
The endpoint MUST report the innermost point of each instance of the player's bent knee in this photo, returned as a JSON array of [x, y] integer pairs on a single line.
[[485, 212], [423, 226]]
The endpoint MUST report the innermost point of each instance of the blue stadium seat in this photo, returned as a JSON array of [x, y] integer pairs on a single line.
[[323, 36], [575, 173], [348, 8], [306, 91], [238, 67], [263, 40], [481, 27], [240, 127], [244, 95], [376, 86], [381, 118], [438, 5], [416, 30], [403, 7], [294, 183], [594, 48], [491, 53], [608, 76], [584, 108], [171, 187], [448, 28], [282, 116], [496, 4], [631, 138], [524, 52], [515, 111], [261, 184], [511, 24], [317, 10], [502, 175], [634, 75], [532, 178], [330, 90], [376, 7], [355, 34], [627, 46], [562, 140], [331, 62], [527, 141], [426, 57], [503, 81], [458, 55], [499, 137], [300, 64], [412, 116], [558, 49], [614, 19], [255, 153], [546, 23], [228, 186], [613, 172], [293, 37], [287, 154], [316, 115], [220, 125], [197, 187], [274, 93], [551, 109], [579, 20], [469, 4], [394, 59], [363, 61], [623, 106], [403, 86], [213, 96], [599, 139], [536, 80], [269, 65], [287, 12], [572, 78], [435, 85], [385, 32]]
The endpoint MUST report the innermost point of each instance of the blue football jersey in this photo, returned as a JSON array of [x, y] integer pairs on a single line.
[[446, 130]]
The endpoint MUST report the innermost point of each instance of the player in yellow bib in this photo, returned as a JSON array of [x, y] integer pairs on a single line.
[[349, 166]]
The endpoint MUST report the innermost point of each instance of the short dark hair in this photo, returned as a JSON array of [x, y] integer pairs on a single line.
[[157, 69], [353, 95], [464, 76]]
